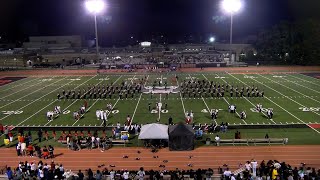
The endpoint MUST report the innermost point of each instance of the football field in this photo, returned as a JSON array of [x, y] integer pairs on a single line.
[[294, 98]]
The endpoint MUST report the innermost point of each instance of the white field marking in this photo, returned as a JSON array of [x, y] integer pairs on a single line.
[[135, 110], [293, 115], [33, 93], [32, 101], [111, 110], [184, 110], [209, 111], [40, 109], [246, 97], [93, 102], [226, 100], [301, 85], [73, 101], [286, 110], [303, 80], [21, 90], [161, 106], [215, 121], [286, 96], [310, 77], [291, 89], [19, 84]]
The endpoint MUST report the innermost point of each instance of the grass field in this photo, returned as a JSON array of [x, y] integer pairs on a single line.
[[295, 99]]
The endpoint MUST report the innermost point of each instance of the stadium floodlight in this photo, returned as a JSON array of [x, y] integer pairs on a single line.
[[212, 39], [95, 7], [231, 7]]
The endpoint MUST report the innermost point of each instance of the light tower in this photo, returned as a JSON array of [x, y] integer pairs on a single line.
[[95, 7], [231, 7]]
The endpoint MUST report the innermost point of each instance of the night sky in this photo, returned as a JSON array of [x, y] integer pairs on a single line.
[[144, 19]]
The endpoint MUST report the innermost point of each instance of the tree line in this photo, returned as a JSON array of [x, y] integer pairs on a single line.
[[290, 43]]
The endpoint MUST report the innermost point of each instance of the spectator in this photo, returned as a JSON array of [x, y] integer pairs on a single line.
[[40, 135], [90, 174], [6, 132], [9, 173], [217, 139], [51, 149], [141, 173], [80, 175], [125, 174], [98, 175], [30, 150], [1, 129], [227, 174]]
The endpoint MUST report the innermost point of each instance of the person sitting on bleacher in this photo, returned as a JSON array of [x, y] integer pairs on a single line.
[[124, 137]]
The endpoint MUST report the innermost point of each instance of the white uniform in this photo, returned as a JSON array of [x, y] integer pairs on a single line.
[[98, 114], [101, 115], [57, 109], [105, 115], [159, 106]]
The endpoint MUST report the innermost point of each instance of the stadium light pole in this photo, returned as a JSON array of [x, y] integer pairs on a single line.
[[95, 7], [231, 7]]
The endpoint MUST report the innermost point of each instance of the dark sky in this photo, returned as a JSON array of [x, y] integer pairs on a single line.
[[144, 18]]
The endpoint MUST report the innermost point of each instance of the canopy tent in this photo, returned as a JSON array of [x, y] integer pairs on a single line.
[[181, 137], [154, 131]]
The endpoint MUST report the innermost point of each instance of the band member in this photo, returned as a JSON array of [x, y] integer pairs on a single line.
[[86, 104], [82, 109], [232, 108], [243, 115], [109, 106], [49, 115], [128, 122], [57, 109], [214, 114], [188, 118], [98, 114], [76, 115], [259, 107], [270, 113]]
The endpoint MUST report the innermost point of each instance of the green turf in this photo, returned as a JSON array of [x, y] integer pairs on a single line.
[[285, 93]]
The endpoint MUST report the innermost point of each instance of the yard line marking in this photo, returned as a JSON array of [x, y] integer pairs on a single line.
[[35, 100], [310, 77], [293, 115], [291, 89], [215, 121], [135, 110], [42, 108], [300, 85], [225, 98], [111, 110], [18, 84], [246, 97], [184, 110], [285, 109], [93, 102], [21, 90], [285, 96], [161, 106], [73, 101], [32, 93], [303, 79]]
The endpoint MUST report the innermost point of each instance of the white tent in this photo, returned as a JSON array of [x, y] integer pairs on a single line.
[[154, 131]]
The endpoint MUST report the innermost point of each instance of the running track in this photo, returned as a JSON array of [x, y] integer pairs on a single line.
[[203, 157]]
